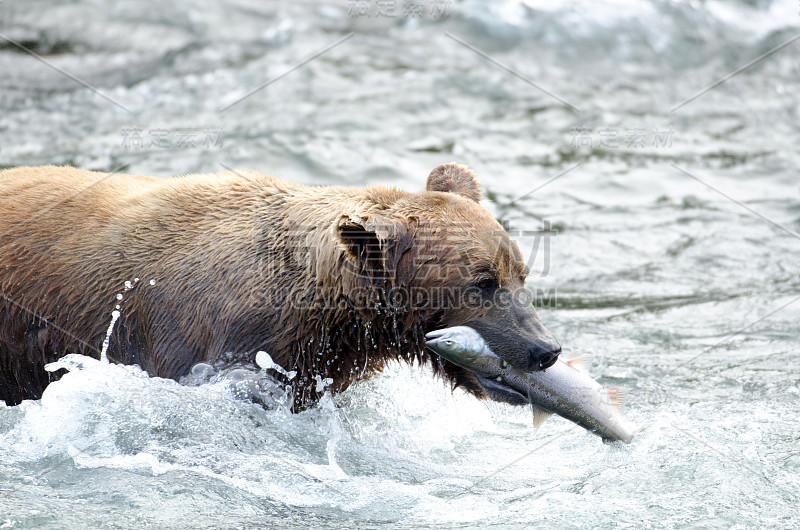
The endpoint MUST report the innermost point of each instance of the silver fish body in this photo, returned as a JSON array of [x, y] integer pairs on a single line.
[[561, 389]]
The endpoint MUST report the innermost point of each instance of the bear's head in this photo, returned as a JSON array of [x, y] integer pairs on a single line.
[[440, 259]]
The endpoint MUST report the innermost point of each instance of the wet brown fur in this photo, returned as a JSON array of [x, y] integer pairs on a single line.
[[242, 262]]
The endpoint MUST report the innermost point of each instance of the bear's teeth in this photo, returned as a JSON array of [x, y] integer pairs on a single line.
[[499, 379], [504, 364]]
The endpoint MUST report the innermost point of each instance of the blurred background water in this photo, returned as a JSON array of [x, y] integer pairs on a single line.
[[671, 254]]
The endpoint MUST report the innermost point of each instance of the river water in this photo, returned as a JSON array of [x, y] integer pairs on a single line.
[[662, 233]]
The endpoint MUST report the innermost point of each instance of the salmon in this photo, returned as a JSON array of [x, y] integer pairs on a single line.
[[563, 388]]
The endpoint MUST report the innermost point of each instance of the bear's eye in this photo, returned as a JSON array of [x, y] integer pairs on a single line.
[[487, 284]]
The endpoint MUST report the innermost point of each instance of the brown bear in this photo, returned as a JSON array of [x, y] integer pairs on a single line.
[[330, 281]]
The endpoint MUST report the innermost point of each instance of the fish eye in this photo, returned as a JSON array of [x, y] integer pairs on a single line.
[[449, 342]]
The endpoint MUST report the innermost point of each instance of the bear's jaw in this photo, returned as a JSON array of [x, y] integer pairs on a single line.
[[478, 386], [499, 391]]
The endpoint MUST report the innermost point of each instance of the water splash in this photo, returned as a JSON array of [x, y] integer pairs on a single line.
[[265, 362], [74, 362], [243, 382]]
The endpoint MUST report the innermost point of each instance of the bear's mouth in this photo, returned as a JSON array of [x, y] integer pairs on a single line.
[[473, 366], [499, 390]]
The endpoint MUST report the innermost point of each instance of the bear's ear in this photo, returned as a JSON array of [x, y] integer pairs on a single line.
[[455, 178], [372, 242]]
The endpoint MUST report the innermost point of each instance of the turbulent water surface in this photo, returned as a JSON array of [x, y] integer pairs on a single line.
[[662, 232]]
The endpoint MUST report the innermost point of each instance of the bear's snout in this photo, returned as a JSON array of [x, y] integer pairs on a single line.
[[543, 354]]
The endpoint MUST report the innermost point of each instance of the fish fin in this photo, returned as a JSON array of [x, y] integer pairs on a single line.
[[578, 362], [539, 416], [616, 396]]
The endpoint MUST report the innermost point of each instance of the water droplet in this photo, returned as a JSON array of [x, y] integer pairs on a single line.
[[120, 297], [103, 352], [128, 285], [202, 370], [152, 282], [322, 383]]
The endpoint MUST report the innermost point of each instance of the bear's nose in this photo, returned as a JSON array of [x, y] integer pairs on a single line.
[[543, 355]]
